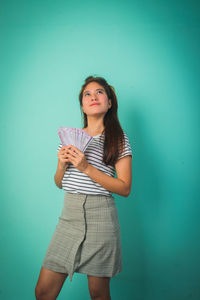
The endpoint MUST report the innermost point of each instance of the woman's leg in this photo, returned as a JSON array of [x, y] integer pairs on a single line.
[[49, 284], [99, 287]]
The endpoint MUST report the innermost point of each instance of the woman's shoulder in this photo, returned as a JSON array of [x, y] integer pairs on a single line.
[[125, 133]]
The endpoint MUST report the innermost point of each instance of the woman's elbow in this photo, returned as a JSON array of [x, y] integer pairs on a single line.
[[58, 184], [126, 195], [127, 191]]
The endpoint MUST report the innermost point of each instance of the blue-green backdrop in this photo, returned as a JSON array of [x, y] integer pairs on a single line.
[[149, 51]]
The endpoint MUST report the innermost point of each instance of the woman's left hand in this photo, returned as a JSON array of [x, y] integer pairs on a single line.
[[76, 157]]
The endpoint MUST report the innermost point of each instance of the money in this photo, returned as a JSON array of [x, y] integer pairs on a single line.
[[74, 136]]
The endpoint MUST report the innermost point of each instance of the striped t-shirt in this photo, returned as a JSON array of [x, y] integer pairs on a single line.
[[75, 181]]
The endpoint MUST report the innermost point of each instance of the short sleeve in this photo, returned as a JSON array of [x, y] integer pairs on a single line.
[[127, 149], [59, 147]]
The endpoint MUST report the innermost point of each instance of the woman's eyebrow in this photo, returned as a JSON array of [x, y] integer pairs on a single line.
[[96, 90]]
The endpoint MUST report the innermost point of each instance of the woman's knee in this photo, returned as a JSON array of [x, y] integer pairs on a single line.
[[99, 288], [41, 293], [49, 284], [95, 292]]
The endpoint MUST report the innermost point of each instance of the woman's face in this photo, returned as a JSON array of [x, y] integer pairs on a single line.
[[95, 100]]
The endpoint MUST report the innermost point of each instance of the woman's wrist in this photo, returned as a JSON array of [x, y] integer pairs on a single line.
[[87, 169], [62, 167]]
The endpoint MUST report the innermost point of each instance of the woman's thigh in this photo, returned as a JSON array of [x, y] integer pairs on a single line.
[[49, 283]]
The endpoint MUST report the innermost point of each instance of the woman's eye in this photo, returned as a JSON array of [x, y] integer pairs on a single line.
[[87, 94]]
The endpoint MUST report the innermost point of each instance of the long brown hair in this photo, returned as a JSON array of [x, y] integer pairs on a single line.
[[114, 137]]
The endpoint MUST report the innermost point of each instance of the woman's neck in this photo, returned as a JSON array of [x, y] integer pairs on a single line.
[[93, 131]]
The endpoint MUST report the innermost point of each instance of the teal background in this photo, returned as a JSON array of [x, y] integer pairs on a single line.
[[149, 51]]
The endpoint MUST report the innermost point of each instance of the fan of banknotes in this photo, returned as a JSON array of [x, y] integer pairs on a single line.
[[74, 136]]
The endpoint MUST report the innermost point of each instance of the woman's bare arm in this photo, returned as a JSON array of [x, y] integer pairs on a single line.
[[120, 185], [61, 167], [59, 175]]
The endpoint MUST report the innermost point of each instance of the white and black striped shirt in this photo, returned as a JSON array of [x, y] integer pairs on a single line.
[[75, 181]]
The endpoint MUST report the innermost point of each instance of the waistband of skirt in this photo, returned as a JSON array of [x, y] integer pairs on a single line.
[[89, 196]]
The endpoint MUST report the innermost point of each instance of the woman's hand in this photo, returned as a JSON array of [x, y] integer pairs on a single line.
[[76, 157], [63, 161]]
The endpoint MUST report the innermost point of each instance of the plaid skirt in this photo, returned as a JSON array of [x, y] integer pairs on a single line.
[[87, 237]]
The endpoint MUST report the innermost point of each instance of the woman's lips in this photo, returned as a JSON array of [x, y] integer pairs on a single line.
[[94, 104]]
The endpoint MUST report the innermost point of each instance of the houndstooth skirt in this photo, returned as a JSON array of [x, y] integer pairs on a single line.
[[87, 237]]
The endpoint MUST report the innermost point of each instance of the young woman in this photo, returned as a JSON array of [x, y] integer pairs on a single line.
[[87, 237]]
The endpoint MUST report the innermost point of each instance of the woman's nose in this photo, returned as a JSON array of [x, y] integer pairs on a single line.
[[93, 96]]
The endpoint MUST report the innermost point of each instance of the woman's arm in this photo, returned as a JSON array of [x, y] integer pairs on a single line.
[[61, 167], [59, 175], [120, 185]]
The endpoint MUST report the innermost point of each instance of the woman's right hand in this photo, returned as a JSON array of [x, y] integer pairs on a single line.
[[63, 158]]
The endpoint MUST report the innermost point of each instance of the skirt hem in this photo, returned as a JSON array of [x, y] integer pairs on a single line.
[[89, 273]]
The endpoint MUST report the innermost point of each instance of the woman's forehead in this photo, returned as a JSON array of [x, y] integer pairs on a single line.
[[93, 86]]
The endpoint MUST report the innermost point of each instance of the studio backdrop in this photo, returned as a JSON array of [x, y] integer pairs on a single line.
[[149, 51]]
